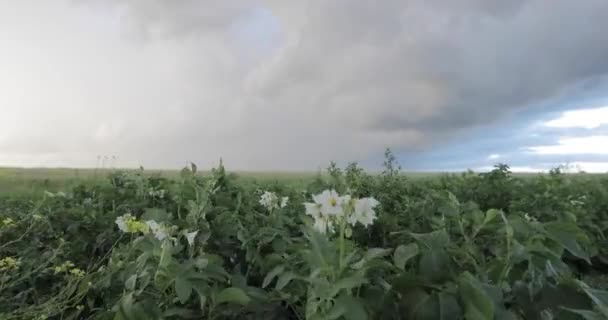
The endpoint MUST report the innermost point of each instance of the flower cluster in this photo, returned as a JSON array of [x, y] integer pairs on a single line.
[[77, 273], [8, 264], [129, 224], [270, 201], [157, 193], [64, 267], [330, 209], [69, 268], [160, 231]]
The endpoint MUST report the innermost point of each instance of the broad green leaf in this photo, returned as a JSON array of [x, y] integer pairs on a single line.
[[321, 253], [157, 214], [233, 295], [272, 274], [567, 235], [434, 265], [490, 215], [477, 304], [403, 253], [438, 306], [599, 297], [371, 254], [284, 279], [354, 309], [448, 307], [348, 283], [183, 288], [128, 309], [433, 240]]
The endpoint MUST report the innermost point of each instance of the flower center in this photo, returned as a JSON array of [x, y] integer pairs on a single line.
[[333, 202]]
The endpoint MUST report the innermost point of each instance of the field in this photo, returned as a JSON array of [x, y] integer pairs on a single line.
[[345, 244]]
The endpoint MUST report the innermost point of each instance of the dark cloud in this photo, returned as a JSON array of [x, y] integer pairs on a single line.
[[300, 83]]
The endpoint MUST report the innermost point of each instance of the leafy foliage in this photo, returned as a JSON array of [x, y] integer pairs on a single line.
[[470, 246]]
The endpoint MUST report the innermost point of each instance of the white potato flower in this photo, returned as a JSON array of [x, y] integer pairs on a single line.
[[269, 200], [321, 224], [330, 202], [160, 231], [364, 212], [313, 209], [190, 236], [121, 222]]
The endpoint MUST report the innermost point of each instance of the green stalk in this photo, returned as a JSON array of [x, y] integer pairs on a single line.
[[342, 229]]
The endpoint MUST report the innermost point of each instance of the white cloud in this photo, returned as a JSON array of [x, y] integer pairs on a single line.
[[580, 145], [582, 118], [592, 167], [493, 156]]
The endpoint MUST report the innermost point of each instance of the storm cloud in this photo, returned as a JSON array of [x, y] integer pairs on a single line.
[[280, 84]]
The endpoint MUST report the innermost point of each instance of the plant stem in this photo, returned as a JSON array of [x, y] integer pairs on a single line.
[[342, 225]]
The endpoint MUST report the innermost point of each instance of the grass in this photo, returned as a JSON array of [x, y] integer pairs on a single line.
[[16, 181]]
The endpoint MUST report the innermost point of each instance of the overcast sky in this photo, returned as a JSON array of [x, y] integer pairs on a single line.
[[291, 85]]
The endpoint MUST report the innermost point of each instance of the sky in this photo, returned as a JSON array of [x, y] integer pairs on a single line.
[[292, 85]]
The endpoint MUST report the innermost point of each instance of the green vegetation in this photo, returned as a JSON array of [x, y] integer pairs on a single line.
[[133, 245]]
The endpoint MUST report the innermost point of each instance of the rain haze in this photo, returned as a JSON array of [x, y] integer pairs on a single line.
[[292, 85]]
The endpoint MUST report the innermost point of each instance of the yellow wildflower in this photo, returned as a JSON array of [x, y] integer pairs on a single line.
[[8, 222], [9, 263], [77, 273], [64, 267]]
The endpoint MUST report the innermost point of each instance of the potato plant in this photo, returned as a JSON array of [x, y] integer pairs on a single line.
[[350, 246]]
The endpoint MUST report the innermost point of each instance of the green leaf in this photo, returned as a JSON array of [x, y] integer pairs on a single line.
[[128, 309], [180, 312], [353, 307], [586, 314], [336, 311], [448, 307], [157, 214], [272, 274], [599, 297], [434, 265], [438, 306], [567, 234], [233, 295], [477, 304], [284, 279], [371, 254], [183, 288], [437, 239], [348, 283], [403, 253], [131, 282]]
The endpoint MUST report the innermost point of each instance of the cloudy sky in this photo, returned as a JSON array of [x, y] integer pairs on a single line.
[[291, 85]]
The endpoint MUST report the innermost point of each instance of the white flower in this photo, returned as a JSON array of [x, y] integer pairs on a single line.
[[190, 237], [364, 212], [330, 202], [320, 225], [161, 234], [121, 222], [284, 202], [269, 200], [313, 209], [160, 231], [153, 225]]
